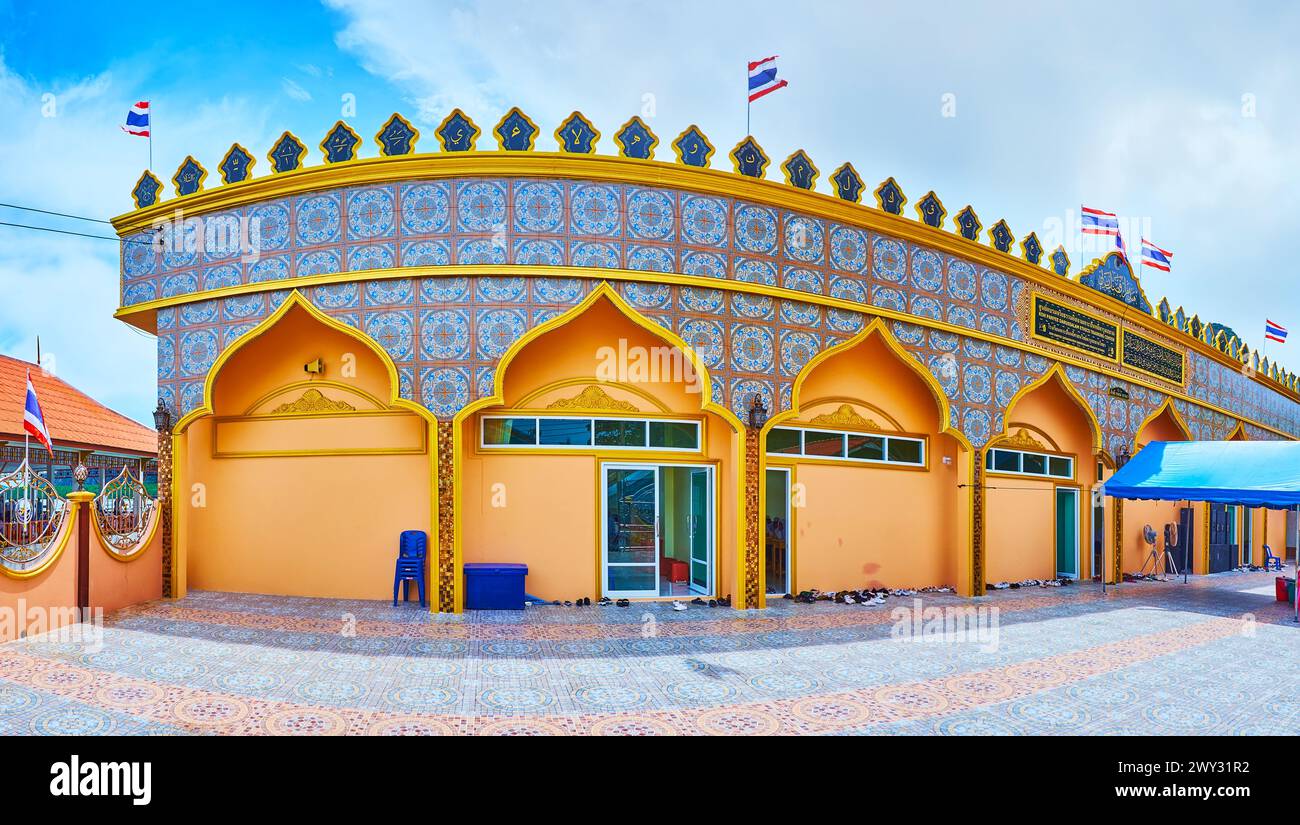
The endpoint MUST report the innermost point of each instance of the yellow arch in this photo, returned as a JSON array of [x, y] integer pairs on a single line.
[[876, 326], [1239, 430], [1178, 420], [602, 290], [1057, 372], [296, 299], [607, 292]]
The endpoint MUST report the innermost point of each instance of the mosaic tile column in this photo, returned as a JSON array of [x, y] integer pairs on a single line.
[[977, 523], [165, 509], [446, 567], [753, 520], [1118, 569]]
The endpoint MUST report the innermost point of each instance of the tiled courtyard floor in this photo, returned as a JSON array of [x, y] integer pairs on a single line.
[[1145, 659]]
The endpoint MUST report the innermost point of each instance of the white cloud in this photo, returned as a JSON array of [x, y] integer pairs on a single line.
[[1050, 114], [76, 160], [295, 91]]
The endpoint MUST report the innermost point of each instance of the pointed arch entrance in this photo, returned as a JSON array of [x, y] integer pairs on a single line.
[[1163, 424], [602, 463], [862, 482], [1040, 474], [296, 482]]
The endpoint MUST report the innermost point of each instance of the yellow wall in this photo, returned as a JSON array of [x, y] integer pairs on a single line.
[[1164, 427], [859, 525], [1021, 510], [552, 498], [868, 527], [321, 525]]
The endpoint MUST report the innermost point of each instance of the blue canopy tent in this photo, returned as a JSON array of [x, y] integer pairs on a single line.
[[1247, 473]]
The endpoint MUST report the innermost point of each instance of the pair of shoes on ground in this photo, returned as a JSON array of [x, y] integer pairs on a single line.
[[583, 602], [606, 601]]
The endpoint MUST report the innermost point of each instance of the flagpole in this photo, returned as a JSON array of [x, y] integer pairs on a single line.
[[748, 102], [151, 121]]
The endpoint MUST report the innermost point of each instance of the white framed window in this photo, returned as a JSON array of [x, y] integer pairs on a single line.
[[869, 448], [1025, 463], [556, 432]]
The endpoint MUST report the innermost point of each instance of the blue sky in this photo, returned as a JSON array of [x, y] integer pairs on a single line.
[[1179, 116]]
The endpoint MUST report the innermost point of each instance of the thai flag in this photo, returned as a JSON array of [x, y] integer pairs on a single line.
[[1274, 332], [1123, 250], [762, 78], [137, 120], [1097, 222], [33, 421], [1155, 257]]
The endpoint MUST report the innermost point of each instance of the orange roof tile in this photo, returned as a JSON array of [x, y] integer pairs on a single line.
[[73, 418]]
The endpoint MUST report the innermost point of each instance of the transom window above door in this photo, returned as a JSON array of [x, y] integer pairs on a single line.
[[848, 446], [553, 432], [1020, 462]]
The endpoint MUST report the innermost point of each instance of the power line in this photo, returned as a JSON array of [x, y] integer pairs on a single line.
[[56, 214], [69, 232]]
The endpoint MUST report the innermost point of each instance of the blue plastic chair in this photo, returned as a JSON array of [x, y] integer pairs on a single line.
[[412, 549], [1271, 562]]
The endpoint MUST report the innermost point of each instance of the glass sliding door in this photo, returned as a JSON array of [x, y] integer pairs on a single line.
[[701, 530], [1067, 532], [631, 531]]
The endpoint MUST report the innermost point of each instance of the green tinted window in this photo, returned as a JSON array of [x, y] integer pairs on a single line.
[[1060, 467], [613, 432], [1034, 464], [565, 432], [1006, 461], [866, 447], [905, 451], [825, 445], [676, 435], [784, 441], [506, 431]]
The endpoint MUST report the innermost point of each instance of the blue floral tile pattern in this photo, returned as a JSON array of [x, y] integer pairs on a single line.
[[650, 215], [199, 351], [595, 209], [426, 208], [848, 249], [751, 348], [538, 207], [755, 229], [444, 390], [444, 335], [705, 220], [394, 331], [318, 220], [390, 292], [497, 330], [481, 206], [370, 214], [491, 222]]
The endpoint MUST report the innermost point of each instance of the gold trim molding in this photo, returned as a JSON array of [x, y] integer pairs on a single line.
[[313, 402], [846, 416], [593, 398], [1022, 440]]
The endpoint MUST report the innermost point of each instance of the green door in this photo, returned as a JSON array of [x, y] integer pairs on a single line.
[[700, 526], [1067, 532]]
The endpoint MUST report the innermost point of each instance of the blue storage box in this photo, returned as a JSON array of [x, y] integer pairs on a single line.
[[495, 586]]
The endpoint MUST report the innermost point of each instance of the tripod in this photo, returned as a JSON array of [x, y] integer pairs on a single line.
[[1161, 560]]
